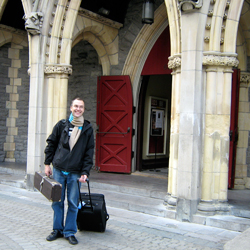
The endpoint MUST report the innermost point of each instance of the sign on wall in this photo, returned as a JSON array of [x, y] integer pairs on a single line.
[[158, 126]]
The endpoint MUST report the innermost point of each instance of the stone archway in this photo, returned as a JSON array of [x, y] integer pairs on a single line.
[[165, 15], [102, 34]]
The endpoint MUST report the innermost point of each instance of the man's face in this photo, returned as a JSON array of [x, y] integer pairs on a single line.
[[77, 108]]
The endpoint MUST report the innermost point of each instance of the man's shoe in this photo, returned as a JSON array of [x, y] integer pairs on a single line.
[[54, 235], [72, 240]]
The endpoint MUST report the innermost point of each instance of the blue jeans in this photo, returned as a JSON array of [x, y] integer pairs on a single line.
[[69, 184]]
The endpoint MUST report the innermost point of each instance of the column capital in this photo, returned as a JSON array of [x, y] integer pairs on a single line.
[[174, 61], [57, 69], [220, 59]]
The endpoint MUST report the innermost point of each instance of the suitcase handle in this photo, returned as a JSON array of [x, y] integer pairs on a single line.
[[41, 184], [42, 181], [89, 193]]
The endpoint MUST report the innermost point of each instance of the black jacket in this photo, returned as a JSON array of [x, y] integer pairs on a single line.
[[57, 151]]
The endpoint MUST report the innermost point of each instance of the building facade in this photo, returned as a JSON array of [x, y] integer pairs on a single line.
[[187, 75]]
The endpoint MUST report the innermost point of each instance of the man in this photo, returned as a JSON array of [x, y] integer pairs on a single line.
[[70, 150]]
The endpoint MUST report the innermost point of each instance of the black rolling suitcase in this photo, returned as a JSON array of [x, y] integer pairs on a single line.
[[92, 213]]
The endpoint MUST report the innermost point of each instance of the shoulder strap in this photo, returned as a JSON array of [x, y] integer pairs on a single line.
[[64, 123]]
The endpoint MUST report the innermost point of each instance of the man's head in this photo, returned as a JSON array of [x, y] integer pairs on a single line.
[[77, 107]]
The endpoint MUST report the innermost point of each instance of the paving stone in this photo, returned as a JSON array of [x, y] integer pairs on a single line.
[[26, 221]]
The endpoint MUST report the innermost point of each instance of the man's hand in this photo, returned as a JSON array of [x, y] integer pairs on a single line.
[[83, 178], [48, 170]]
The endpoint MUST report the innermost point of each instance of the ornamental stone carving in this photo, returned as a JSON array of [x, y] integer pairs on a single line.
[[33, 22], [174, 62], [244, 79], [190, 5], [58, 69], [99, 18], [220, 60]]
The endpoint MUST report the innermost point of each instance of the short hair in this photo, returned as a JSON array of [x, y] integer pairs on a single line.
[[76, 98]]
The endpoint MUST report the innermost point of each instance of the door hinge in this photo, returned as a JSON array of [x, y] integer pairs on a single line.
[[133, 132], [132, 154], [134, 109], [230, 135]]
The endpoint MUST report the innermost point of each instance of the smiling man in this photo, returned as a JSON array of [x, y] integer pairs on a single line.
[[70, 149]]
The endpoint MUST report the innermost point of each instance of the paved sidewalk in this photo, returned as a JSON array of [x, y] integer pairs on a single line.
[[26, 220]]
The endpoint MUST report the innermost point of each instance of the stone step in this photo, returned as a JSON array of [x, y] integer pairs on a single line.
[[228, 222], [13, 180], [154, 206], [131, 202], [240, 212], [148, 200], [127, 189]]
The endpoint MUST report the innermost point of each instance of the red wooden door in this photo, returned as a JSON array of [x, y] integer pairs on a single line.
[[114, 124], [233, 127]]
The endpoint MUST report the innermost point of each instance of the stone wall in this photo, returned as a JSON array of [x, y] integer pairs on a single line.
[[83, 81], [5, 63], [129, 31], [248, 149], [23, 108]]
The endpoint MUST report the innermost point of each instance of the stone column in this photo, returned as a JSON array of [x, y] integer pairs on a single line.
[[216, 133], [191, 108], [57, 84], [171, 198], [36, 106], [241, 179], [187, 120]]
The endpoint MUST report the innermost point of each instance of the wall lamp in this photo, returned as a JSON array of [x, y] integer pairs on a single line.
[[148, 12], [103, 11]]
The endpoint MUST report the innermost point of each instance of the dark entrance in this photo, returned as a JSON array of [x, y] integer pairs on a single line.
[[154, 108], [233, 127], [153, 142]]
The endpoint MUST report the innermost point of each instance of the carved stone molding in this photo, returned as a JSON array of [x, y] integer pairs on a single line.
[[99, 18], [220, 60], [58, 69], [244, 79], [12, 30], [174, 61], [190, 5]]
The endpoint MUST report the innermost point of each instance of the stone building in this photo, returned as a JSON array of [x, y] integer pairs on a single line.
[[172, 94]]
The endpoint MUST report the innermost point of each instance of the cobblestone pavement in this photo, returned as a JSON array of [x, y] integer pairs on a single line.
[[26, 220]]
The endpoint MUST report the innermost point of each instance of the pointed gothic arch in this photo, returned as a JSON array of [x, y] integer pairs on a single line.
[[103, 37]]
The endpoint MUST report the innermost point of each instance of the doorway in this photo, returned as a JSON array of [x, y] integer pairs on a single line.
[[154, 116]]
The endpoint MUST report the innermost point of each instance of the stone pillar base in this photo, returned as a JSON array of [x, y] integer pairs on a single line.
[[239, 183], [210, 208], [185, 209], [170, 202], [247, 185], [30, 181]]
